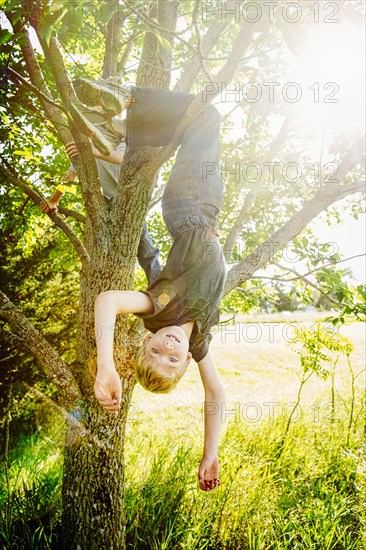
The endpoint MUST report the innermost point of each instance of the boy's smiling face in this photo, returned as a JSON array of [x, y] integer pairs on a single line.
[[168, 347]]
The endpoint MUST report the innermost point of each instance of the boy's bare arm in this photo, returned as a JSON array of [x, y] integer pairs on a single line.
[[108, 305], [214, 397], [50, 206], [116, 156]]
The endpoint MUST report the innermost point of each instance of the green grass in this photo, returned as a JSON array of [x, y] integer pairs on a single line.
[[310, 496], [31, 504]]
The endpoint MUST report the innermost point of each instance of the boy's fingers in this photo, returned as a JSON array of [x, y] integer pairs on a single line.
[[110, 410], [72, 149], [108, 404], [208, 484], [118, 397], [203, 486]]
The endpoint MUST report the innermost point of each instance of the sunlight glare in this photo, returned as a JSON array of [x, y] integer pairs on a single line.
[[330, 69]]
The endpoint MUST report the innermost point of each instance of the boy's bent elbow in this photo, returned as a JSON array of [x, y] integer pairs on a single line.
[[102, 296], [104, 299]]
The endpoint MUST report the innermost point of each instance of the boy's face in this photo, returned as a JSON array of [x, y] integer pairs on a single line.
[[168, 347]]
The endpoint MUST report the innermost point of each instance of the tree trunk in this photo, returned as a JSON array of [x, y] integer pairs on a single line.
[[93, 500], [93, 484], [156, 59]]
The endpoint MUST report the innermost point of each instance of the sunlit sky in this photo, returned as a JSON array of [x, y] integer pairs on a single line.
[[334, 57]]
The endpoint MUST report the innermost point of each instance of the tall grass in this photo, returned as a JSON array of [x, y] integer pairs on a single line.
[[30, 504], [312, 496]]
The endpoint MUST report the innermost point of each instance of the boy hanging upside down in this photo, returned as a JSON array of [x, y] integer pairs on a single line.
[[182, 304]]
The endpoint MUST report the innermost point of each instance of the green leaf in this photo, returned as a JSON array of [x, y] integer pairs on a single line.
[[4, 117], [163, 41], [26, 153], [49, 20], [5, 36]]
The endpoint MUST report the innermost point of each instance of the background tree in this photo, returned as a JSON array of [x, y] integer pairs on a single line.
[[186, 46]]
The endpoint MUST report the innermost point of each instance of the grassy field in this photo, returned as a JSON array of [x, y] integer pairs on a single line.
[[259, 372], [304, 491]]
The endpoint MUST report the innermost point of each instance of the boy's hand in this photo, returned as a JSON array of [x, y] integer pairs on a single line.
[[72, 150], [108, 390], [48, 207], [208, 473]]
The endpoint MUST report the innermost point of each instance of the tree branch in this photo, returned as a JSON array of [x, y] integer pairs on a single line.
[[42, 351], [69, 213], [292, 279], [113, 41], [209, 41], [308, 282], [245, 269], [16, 78], [87, 170], [126, 52], [37, 198], [86, 167], [153, 51], [242, 41], [197, 5], [38, 81], [193, 66]]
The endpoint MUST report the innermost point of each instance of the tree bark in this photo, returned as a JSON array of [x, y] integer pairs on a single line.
[[93, 487], [113, 41], [156, 60]]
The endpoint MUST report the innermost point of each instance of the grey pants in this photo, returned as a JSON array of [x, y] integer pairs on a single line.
[[193, 195]]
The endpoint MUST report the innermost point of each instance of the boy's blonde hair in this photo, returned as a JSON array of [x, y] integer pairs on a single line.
[[149, 378]]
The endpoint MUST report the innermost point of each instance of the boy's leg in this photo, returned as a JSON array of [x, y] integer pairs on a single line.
[[194, 190], [148, 256], [153, 116]]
